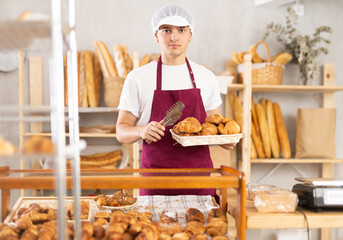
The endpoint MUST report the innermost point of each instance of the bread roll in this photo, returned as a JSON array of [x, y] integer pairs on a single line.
[[257, 142], [90, 83], [101, 59], [127, 59], [119, 61], [274, 141], [282, 132], [97, 78], [261, 114], [108, 59]]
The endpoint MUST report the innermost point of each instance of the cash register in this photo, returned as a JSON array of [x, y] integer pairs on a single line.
[[318, 194]]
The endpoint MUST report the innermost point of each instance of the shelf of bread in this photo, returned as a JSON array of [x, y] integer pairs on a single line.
[[84, 135], [288, 88], [295, 160]]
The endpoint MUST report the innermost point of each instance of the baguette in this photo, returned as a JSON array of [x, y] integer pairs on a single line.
[[144, 60], [253, 153], [254, 117], [97, 78], [258, 142], [101, 59], [238, 111], [82, 84], [274, 141], [282, 131], [89, 70], [261, 114], [108, 59], [65, 80], [119, 61], [127, 58]]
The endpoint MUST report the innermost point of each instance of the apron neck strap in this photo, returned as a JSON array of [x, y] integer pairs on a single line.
[[159, 74]]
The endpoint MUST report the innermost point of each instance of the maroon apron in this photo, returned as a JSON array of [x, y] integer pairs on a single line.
[[167, 153]]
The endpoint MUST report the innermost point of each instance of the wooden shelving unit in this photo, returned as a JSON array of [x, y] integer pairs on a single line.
[[328, 89]]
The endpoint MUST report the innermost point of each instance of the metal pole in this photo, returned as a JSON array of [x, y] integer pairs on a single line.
[[57, 113], [74, 138]]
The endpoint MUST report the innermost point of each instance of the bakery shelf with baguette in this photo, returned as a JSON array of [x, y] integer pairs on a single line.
[[245, 90]]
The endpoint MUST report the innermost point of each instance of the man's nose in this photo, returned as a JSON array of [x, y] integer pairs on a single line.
[[174, 36]]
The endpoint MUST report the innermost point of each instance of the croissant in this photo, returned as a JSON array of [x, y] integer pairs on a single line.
[[21, 211], [226, 120], [194, 227], [8, 233], [190, 125], [116, 228], [199, 237], [31, 233], [180, 236], [114, 236], [126, 236], [98, 231], [193, 214], [24, 223], [208, 129], [136, 228], [101, 215], [216, 226], [214, 119], [217, 213], [164, 236], [101, 221], [232, 127], [220, 238], [37, 217], [170, 228]]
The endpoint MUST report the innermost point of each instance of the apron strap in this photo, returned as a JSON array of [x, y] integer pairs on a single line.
[[159, 74]]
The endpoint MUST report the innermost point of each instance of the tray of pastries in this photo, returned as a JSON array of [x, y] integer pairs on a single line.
[[215, 131], [121, 200]]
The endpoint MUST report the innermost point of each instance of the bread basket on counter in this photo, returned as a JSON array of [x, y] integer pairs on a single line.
[[263, 73]]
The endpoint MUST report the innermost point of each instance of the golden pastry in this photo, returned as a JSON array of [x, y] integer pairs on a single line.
[[194, 227], [180, 236], [193, 214], [101, 215], [199, 237], [208, 129], [214, 119], [190, 125], [232, 127], [226, 120]]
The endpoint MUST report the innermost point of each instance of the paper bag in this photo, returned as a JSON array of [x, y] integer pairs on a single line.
[[315, 133]]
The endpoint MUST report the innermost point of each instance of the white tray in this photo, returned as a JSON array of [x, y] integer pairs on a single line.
[[206, 140]]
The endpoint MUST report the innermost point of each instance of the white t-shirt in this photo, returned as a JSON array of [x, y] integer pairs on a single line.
[[138, 90]]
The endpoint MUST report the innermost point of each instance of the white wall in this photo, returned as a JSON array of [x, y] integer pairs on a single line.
[[222, 26]]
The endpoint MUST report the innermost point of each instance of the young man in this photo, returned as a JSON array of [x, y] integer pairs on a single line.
[[151, 90]]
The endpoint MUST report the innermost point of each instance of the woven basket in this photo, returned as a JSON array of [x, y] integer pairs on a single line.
[[113, 87], [263, 73]]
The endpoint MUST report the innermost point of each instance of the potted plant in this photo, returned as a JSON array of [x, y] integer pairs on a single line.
[[304, 48]]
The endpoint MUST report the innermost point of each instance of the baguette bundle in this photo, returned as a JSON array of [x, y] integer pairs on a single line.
[[272, 133]]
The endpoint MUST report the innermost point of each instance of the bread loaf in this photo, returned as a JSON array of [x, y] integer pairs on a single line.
[[144, 60], [119, 61], [274, 141], [254, 117], [275, 200], [101, 59], [97, 78], [82, 84], [127, 58], [282, 132], [238, 111], [257, 142], [261, 114], [108, 59], [90, 83]]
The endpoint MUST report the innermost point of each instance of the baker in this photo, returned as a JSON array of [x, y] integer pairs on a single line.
[[149, 91]]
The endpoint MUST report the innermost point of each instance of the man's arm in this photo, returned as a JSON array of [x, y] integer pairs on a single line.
[[127, 132], [218, 111]]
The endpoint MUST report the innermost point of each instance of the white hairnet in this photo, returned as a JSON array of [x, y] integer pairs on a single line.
[[174, 15]]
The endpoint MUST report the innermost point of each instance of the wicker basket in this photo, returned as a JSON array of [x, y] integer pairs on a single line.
[[113, 87], [263, 73]]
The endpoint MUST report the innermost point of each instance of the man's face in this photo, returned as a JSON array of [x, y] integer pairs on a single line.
[[173, 40]]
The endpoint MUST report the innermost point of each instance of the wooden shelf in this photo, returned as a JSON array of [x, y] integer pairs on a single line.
[[97, 110], [84, 135], [288, 88], [295, 160]]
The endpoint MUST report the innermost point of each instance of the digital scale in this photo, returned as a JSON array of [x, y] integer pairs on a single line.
[[319, 193]]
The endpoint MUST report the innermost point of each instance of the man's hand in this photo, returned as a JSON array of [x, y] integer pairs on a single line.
[[153, 131], [229, 146]]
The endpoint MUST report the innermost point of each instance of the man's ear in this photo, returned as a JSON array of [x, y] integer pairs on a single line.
[[190, 39], [156, 37]]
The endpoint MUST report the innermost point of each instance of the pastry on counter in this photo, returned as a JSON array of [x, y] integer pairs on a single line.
[[193, 214], [38, 145]]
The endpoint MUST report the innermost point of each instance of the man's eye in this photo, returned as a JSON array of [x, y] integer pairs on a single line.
[[182, 30], [166, 30]]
